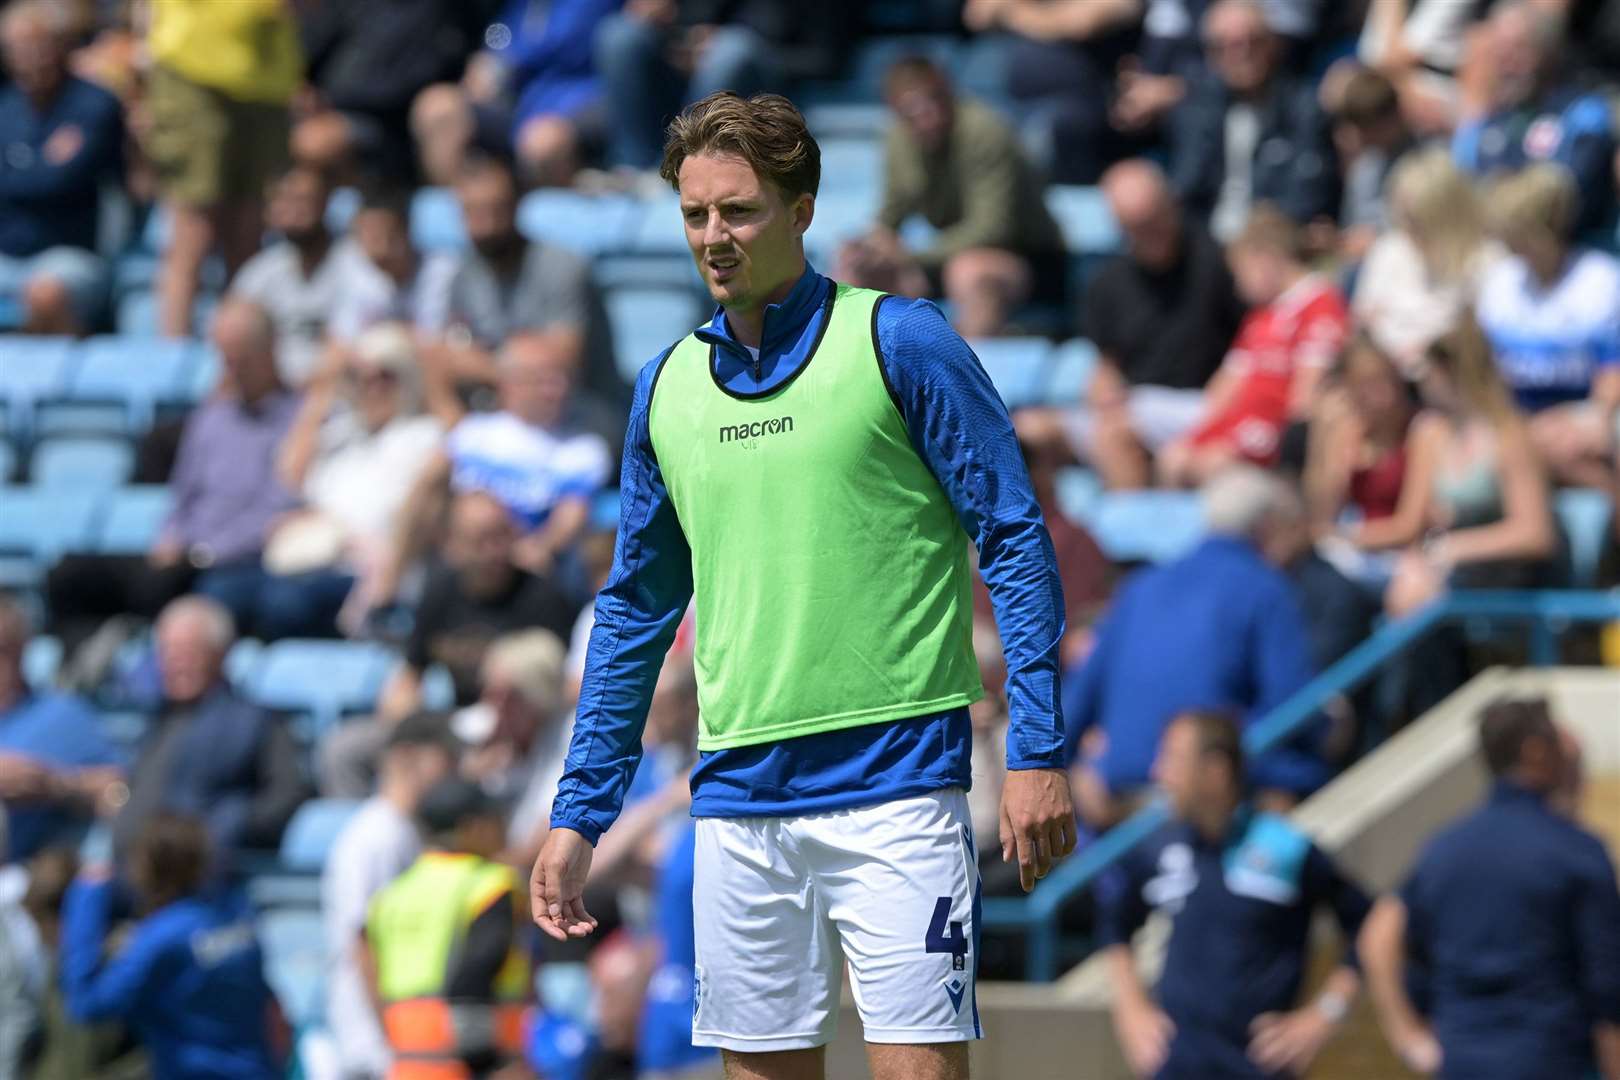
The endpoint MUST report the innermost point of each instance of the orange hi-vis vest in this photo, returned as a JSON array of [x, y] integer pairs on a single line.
[[416, 928]]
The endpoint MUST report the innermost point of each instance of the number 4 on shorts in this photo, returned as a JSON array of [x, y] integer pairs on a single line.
[[937, 941]]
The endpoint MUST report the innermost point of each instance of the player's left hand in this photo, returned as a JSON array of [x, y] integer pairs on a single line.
[[1289, 1041], [1037, 821]]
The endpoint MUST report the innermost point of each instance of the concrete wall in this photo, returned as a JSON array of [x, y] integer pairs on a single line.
[[1374, 819]]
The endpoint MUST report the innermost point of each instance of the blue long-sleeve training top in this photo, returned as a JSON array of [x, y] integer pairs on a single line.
[[961, 430]]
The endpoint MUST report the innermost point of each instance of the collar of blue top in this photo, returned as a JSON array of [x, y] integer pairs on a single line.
[[792, 329]]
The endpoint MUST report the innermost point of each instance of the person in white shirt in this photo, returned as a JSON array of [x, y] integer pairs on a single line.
[[392, 282], [379, 842]]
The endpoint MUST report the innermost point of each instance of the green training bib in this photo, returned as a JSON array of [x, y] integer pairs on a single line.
[[831, 577]]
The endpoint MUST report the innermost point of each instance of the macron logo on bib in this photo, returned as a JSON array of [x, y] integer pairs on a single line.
[[747, 433]]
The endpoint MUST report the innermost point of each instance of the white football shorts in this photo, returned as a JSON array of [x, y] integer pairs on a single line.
[[782, 903]]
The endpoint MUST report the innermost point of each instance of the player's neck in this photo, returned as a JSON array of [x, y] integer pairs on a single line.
[[748, 324]]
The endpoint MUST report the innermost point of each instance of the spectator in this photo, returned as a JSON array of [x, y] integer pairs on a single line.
[[365, 70], [359, 441], [532, 92], [1518, 108], [393, 283], [1240, 887], [506, 285], [56, 767], [209, 753], [1371, 137], [299, 280], [1153, 80], [1268, 380], [530, 456], [217, 94], [64, 141], [377, 845], [189, 978], [442, 942], [1420, 275], [1338, 613], [664, 1045], [24, 968], [1250, 132], [1552, 312], [1162, 317], [657, 55], [1220, 628], [477, 595], [1540, 1000], [1060, 61], [225, 499], [958, 165]]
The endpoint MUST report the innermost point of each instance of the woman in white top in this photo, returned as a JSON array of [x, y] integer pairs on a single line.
[[1419, 275], [359, 441]]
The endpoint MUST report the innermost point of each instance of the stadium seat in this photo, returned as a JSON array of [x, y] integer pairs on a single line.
[[132, 519], [1073, 364], [667, 271], [659, 231], [242, 663], [840, 215], [41, 659], [340, 210], [438, 689], [324, 679], [294, 945], [1585, 516], [106, 418], [436, 221], [44, 522], [851, 164], [8, 461], [90, 462], [313, 830], [1083, 215], [140, 372], [1017, 366], [845, 119], [588, 224], [647, 321], [1147, 526], [33, 368], [1079, 490]]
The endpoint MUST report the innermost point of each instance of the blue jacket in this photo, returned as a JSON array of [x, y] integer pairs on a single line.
[[1513, 927], [1565, 125], [189, 982], [1240, 917], [1217, 629], [49, 198], [63, 733], [960, 428], [1295, 166]]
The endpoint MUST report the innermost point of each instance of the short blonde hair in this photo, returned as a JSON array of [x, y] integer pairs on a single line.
[[532, 661], [766, 131], [1540, 199]]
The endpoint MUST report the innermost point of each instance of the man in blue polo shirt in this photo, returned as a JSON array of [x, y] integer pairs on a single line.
[[60, 139], [1240, 887], [1511, 920]]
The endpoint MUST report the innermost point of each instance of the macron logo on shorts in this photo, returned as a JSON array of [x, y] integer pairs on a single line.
[[954, 990]]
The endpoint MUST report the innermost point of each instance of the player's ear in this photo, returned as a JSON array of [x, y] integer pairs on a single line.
[[803, 210]]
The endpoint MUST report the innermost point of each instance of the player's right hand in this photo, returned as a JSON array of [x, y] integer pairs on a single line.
[[557, 885]]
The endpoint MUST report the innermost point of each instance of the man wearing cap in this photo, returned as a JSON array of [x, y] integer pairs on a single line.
[[441, 947]]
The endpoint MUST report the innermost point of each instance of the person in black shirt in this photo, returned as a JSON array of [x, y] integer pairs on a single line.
[[474, 597], [1161, 316]]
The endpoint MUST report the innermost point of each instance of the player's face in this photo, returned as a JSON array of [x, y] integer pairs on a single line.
[[747, 240]]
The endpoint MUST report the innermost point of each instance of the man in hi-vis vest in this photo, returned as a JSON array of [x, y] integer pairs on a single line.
[[809, 468]]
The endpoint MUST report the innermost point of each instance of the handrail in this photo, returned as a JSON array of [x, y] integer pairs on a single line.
[[1549, 613]]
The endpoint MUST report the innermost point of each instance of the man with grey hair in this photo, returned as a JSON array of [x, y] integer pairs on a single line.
[[63, 140], [208, 752], [1518, 107], [1219, 629]]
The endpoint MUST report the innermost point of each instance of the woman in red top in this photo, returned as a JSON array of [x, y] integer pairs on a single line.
[[1355, 459]]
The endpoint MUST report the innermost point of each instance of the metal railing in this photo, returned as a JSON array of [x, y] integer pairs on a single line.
[[1547, 616]]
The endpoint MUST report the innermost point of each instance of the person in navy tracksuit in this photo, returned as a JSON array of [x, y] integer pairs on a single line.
[[189, 981], [1511, 923], [1240, 887]]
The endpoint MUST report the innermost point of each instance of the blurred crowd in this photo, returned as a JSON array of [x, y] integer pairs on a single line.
[[1366, 302]]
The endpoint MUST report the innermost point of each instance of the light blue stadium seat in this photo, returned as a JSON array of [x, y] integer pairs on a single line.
[[1585, 516], [438, 689], [133, 516], [44, 522], [647, 321], [32, 368], [588, 224], [1073, 364], [659, 231], [841, 214], [312, 832], [325, 679], [203, 376], [436, 221], [1083, 215], [294, 945], [91, 462], [851, 164], [1147, 526], [136, 313], [667, 271], [847, 119], [140, 372], [41, 659], [341, 208], [1017, 366], [110, 419], [242, 663], [8, 461], [1079, 490]]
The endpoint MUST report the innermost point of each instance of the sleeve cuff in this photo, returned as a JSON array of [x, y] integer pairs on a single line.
[[586, 828]]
